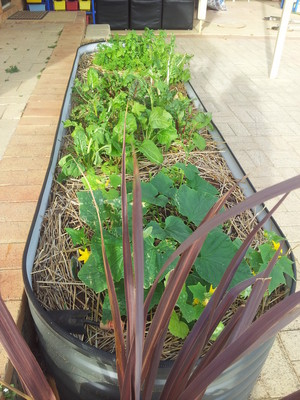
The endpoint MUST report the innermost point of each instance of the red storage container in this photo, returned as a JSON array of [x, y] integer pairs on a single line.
[[72, 5]]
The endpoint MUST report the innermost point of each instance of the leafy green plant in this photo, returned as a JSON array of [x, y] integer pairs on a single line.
[[158, 116], [12, 69], [148, 54], [6, 393]]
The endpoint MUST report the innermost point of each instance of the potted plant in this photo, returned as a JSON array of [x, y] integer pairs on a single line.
[[156, 117]]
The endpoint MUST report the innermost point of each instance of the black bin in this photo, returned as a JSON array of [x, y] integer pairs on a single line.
[[145, 13], [178, 14], [113, 12]]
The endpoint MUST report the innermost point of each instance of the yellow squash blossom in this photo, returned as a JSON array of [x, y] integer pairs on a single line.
[[196, 302], [211, 290], [84, 255], [276, 247]]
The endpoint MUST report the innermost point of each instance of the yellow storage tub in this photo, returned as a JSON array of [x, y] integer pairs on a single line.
[[59, 5], [85, 5], [34, 1]]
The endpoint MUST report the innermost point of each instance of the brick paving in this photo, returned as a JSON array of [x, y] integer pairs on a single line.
[[30, 104], [258, 117]]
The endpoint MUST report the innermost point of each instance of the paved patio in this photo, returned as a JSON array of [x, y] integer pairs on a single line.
[[259, 118]]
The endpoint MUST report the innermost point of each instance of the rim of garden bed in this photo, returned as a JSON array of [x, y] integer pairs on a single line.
[[42, 204]]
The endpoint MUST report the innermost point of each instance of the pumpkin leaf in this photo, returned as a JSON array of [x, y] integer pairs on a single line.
[[178, 328], [176, 229], [193, 204], [217, 252], [149, 149], [77, 235]]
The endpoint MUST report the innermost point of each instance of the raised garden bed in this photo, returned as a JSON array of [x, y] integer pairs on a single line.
[[82, 361]]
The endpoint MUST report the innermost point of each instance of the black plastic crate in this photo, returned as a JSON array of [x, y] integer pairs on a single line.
[[178, 14], [113, 12], [145, 13]]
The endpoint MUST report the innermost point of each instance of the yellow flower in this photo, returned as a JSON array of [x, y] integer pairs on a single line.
[[276, 246], [211, 290], [107, 183], [205, 302], [84, 255], [196, 302]]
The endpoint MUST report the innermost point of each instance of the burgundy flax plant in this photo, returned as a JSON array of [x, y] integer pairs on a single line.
[[138, 359]]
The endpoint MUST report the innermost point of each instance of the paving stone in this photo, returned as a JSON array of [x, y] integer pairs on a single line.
[[22, 178], [238, 127], [290, 340], [98, 32], [293, 326], [7, 128], [11, 255], [17, 212], [11, 284], [23, 163], [15, 194], [278, 377], [14, 111], [296, 365]]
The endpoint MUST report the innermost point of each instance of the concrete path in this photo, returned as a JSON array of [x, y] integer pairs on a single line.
[[259, 118]]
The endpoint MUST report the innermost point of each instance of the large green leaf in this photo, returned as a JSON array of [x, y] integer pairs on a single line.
[[106, 311], [283, 266], [163, 184], [92, 272], [154, 259], [131, 125], [215, 256], [92, 78], [177, 327], [157, 295], [149, 149], [96, 132], [138, 108], [199, 142], [176, 229], [77, 235], [189, 312], [87, 209], [80, 140], [193, 204], [160, 118], [195, 181], [150, 195], [157, 231], [151, 267], [167, 135], [70, 167]]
